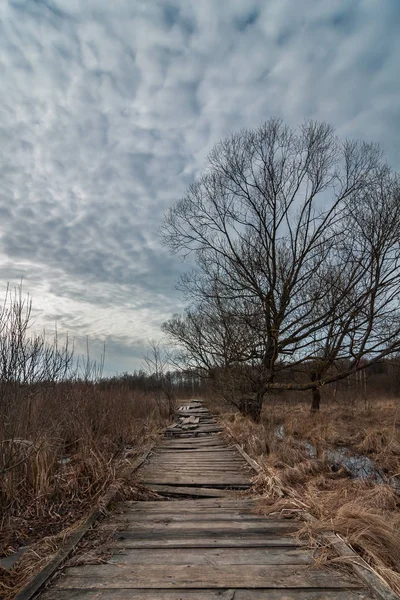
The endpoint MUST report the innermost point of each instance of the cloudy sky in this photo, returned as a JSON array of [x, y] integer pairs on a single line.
[[108, 109]]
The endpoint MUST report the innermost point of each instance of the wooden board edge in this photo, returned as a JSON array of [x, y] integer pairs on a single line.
[[49, 569], [360, 567], [255, 466]]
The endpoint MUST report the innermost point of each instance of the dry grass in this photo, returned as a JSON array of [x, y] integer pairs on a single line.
[[364, 513], [67, 449], [93, 548]]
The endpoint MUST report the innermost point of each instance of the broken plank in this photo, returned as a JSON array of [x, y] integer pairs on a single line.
[[190, 491]]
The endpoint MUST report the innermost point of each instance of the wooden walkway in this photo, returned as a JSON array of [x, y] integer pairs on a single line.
[[204, 541]]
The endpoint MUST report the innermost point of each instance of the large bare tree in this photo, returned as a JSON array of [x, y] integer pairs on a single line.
[[295, 236]]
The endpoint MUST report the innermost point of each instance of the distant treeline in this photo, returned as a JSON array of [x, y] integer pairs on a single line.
[[381, 377], [184, 383]]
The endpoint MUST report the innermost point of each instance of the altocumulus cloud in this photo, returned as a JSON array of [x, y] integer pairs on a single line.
[[108, 111]]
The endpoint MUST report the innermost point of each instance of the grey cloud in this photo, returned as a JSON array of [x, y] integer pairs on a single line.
[[108, 111]]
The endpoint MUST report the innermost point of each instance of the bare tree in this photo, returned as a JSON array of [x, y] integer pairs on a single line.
[[158, 367], [30, 365], [296, 241]]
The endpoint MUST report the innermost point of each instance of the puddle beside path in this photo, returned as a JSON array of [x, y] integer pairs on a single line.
[[359, 466]]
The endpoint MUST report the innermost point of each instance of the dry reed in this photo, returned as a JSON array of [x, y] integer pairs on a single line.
[[366, 514], [77, 443]]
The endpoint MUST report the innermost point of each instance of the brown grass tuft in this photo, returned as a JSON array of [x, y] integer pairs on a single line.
[[364, 513], [70, 454]]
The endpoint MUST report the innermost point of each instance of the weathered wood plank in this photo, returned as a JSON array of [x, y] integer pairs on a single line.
[[177, 490], [201, 470], [195, 456], [200, 451], [205, 467], [234, 502], [164, 516], [192, 464], [193, 514], [209, 480], [201, 461], [213, 556], [218, 466], [191, 455], [132, 540], [206, 594], [200, 576], [197, 428], [212, 439], [212, 526]]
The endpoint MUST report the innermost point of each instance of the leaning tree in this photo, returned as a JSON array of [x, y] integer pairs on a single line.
[[295, 236]]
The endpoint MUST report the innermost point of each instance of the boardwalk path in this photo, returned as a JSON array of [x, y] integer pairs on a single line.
[[205, 542]]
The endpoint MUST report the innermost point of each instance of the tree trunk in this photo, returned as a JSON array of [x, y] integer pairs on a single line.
[[316, 399], [315, 392], [256, 407], [251, 406]]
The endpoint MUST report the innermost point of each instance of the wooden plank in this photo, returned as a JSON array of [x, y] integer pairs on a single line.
[[201, 478], [209, 465], [209, 492], [200, 451], [171, 472], [203, 467], [233, 502], [206, 594], [213, 556], [200, 576], [198, 479], [209, 457], [250, 461], [236, 501], [196, 442], [193, 462], [205, 455], [171, 478], [211, 439], [253, 540], [200, 472], [196, 468], [200, 423], [196, 455], [201, 462], [201, 515], [215, 526]]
